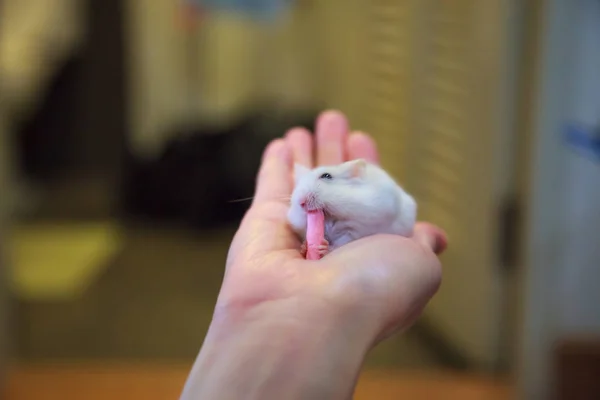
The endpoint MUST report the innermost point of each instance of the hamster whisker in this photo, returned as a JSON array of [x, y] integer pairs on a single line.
[[240, 200], [286, 198]]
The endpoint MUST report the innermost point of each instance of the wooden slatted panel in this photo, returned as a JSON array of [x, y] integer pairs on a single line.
[[387, 107], [455, 167], [432, 83], [444, 145]]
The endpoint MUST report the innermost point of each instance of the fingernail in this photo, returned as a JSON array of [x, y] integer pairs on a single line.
[[332, 119], [277, 148], [440, 245], [297, 130]]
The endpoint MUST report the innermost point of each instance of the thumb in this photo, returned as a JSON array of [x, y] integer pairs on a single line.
[[392, 275]]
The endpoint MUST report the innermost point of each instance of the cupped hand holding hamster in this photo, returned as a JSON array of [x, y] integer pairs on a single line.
[[352, 200], [298, 313]]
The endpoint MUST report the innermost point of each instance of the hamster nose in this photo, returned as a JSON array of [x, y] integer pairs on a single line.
[[307, 201]]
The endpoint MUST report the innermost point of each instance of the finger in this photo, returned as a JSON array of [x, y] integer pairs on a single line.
[[431, 236], [300, 142], [274, 182], [361, 145], [331, 135]]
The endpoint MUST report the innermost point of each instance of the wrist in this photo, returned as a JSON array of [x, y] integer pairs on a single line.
[[303, 350]]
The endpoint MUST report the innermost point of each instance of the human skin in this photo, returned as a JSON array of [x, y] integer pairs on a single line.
[[287, 327]]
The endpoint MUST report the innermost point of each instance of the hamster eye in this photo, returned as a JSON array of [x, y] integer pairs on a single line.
[[326, 175]]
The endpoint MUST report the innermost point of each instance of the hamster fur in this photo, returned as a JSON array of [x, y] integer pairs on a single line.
[[358, 199]]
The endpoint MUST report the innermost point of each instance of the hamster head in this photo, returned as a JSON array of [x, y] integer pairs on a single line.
[[351, 190]]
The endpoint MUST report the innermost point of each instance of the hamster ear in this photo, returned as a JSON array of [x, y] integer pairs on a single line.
[[299, 171], [358, 167]]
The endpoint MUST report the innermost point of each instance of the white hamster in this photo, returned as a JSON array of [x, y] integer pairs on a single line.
[[358, 199]]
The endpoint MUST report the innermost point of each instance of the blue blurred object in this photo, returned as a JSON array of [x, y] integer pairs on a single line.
[[583, 138], [262, 10]]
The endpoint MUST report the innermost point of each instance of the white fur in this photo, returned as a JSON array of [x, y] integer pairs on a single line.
[[355, 204]]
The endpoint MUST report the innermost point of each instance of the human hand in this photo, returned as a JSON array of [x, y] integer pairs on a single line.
[[381, 282]]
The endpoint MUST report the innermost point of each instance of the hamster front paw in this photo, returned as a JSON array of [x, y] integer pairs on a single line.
[[323, 248]]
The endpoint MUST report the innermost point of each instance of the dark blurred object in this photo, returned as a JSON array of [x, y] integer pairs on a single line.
[[202, 177], [81, 122], [46, 140], [578, 369], [76, 138]]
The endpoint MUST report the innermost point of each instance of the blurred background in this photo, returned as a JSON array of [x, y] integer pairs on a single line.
[[129, 128]]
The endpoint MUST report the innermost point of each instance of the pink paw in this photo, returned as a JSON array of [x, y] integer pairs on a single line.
[[323, 248]]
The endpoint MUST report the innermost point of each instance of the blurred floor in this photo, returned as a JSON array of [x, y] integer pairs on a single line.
[[137, 293], [161, 382]]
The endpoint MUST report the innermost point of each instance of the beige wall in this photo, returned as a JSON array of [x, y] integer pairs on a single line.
[[310, 59]]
